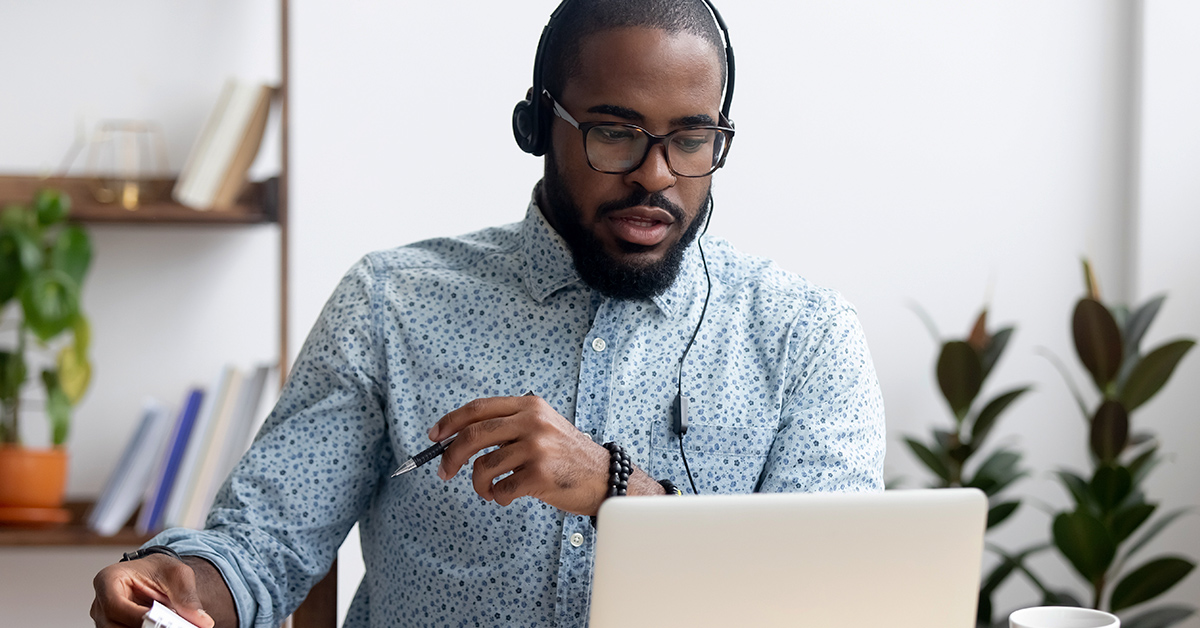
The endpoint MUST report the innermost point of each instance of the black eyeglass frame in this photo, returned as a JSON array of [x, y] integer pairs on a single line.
[[584, 127]]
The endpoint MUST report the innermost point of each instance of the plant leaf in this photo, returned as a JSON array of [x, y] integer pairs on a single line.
[[997, 471], [1154, 529], [1149, 581], [1109, 486], [1126, 521], [51, 302], [51, 206], [1000, 512], [1143, 464], [1078, 488], [931, 460], [10, 266], [987, 417], [1085, 543], [72, 253], [12, 375], [979, 338], [1161, 617], [960, 375], [994, 349], [1152, 372], [74, 374], [1110, 431], [1089, 281], [1135, 328], [927, 320], [1097, 341], [1062, 372], [58, 408]]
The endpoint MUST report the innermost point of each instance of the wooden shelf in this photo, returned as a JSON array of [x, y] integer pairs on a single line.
[[73, 533], [256, 205]]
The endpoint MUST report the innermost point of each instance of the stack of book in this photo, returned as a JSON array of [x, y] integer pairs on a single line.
[[215, 171], [174, 463]]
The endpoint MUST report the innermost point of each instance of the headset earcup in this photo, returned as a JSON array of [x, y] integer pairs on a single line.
[[524, 126]]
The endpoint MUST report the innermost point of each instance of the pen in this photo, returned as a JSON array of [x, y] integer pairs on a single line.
[[429, 453]]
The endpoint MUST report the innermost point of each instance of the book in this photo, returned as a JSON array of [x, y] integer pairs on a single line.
[[215, 170], [154, 505], [128, 482], [241, 428], [194, 510], [185, 479]]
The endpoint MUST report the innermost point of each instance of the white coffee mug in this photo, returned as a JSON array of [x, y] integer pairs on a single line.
[[1062, 617]]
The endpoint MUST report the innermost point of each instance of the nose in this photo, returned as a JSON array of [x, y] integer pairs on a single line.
[[653, 175]]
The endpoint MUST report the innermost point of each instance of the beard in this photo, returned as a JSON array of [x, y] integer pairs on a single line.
[[609, 275]]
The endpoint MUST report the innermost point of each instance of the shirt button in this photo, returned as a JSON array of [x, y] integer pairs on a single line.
[[576, 539], [598, 344]]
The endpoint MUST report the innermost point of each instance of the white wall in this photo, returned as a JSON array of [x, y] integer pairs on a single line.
[[933, 151]]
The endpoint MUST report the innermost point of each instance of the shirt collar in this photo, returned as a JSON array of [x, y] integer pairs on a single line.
[[550, 267]]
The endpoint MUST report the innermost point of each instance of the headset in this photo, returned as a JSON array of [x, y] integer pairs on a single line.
[[531, 128], [531, 118]]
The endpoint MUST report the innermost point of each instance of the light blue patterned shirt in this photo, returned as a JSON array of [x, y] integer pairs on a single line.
[[783, 397]]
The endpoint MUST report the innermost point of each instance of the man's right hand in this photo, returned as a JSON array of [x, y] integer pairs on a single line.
[[125, 591]]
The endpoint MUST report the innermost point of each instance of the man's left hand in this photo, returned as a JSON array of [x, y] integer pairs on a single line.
[[545, 455]]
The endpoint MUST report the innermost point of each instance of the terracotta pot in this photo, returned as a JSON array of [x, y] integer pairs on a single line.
[[32, 478]]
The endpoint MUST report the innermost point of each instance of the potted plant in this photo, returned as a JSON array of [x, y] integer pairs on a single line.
[[1099, 536], [963, 366], [44, 343]]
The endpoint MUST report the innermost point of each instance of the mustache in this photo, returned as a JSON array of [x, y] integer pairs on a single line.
[[657, 199]]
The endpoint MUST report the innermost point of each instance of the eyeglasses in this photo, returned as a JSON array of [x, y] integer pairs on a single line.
[[616, 148]]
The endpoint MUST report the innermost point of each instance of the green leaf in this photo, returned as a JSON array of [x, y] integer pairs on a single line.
[[10, 266], [72, 253], [1085, 543], [1110, 431], [994, 350], [51, 206], [1126, 521], [12, 375], [1154, 529], [58, 408], [930, 459], [74, 374], [1062, 371], [960, 375], [1149, 581], [1161, 617], [997, 471], [1097, 341], [1135, 328], [51, 302], [82, 329], [1109, 486], [927, 320], [1143, 465], [1000, 512], [29, 252], [987, 417], [1152, 372], [1078, 488]]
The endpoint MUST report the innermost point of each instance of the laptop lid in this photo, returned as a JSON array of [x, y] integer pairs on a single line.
[[898, 559]]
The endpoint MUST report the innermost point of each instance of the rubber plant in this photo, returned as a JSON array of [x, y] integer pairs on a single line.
[[1110, 521], [963, 365], [43, 262]]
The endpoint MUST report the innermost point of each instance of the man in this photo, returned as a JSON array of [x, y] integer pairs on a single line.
[[604, 305]]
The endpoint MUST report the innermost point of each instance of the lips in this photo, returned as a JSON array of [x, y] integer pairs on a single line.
[[643, 225]]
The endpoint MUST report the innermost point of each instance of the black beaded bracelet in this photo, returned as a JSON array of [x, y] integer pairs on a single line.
[[153, 549], [670, 487], [619, 468]]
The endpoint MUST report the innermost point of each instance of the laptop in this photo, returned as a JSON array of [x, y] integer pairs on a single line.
[[900, 559]]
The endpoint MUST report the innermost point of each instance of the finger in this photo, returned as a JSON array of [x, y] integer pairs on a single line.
[[178, 580], [516, 485], [473, 439], [490, 466], [477, 410], [117, 600]]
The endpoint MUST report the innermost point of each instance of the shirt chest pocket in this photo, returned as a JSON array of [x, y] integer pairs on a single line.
[[722, 458]]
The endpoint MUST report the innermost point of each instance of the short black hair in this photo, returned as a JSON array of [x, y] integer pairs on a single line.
[[581, 19]]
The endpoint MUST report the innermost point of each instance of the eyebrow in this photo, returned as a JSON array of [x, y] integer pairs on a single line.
[[633, 116]]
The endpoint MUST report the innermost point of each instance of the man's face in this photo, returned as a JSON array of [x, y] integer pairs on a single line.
[[628, 231]]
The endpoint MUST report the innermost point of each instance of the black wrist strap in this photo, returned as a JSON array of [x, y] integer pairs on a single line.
[[146, 551], [670, 487]]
